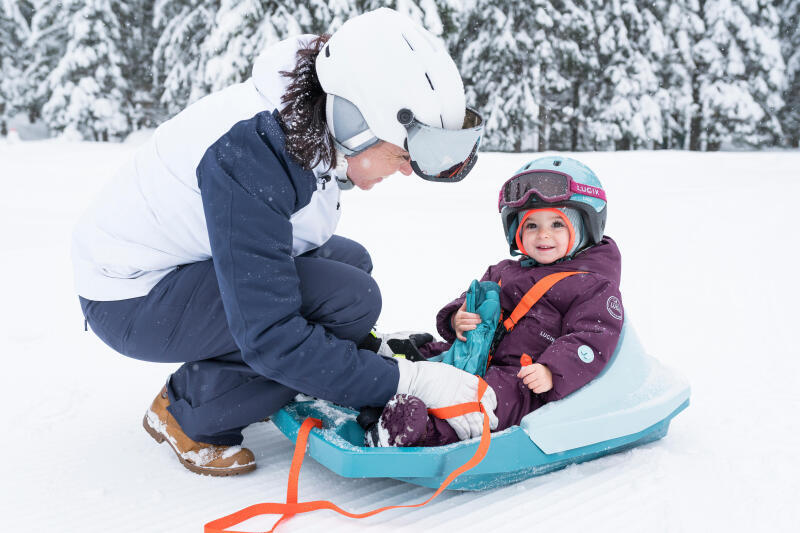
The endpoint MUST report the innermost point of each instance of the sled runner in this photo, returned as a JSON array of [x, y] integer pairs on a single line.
[[629, 404]]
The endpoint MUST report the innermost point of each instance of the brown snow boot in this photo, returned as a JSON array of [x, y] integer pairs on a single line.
[[199, 457]]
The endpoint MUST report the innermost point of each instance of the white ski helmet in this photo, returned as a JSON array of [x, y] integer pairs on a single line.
[[389, 79]]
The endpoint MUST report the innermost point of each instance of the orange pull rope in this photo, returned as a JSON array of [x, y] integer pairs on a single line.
[[292, 507], [533, 296]]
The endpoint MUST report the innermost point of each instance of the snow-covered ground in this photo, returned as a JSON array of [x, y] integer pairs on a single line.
[[709, 245]]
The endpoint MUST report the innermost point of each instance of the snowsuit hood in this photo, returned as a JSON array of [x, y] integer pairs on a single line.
[[269, 64]]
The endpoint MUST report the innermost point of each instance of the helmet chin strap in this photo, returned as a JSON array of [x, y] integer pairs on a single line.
[[340, 172]]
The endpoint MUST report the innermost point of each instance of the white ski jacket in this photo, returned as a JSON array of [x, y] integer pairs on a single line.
[[149, 219]]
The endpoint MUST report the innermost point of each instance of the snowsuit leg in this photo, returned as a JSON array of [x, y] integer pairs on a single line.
[[514, 401], [214, 395]]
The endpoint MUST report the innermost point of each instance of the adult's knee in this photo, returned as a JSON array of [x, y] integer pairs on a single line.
[[351, 309], [361, 257], [345, 251], [358, 311]]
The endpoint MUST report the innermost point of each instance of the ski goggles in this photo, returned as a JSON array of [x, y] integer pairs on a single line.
[[548, 185], [438, 154]]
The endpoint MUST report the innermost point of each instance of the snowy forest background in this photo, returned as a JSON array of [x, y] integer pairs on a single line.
[[546, 74]]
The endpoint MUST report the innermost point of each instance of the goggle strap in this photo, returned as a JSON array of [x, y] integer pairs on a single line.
[[587, 190]]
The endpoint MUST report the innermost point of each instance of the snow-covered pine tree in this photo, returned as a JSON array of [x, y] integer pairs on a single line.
[[790, 43], [651, 45], [47, 41], [571, 106], [88, 90], [630, 45], [138, 42], [721, 103], [684, 27], [765, 67], [241, 30], [509, 68], [737, 80], [178, 73], [328, 16], [14, 54], [229, 49]]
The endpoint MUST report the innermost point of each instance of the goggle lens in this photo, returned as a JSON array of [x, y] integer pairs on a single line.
[[548, 186], [444, 155], [455, 173]]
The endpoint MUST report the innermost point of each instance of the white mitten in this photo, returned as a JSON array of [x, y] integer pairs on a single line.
[[443, 385]]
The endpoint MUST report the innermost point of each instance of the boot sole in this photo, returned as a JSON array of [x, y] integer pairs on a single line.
[[204, 471]]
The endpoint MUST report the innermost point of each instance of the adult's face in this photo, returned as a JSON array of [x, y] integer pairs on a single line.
[[376, 163]]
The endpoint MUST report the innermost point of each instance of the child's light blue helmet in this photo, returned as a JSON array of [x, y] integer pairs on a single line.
[[554, 181]]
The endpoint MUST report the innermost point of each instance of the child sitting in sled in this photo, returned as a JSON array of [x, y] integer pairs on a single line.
[[553, 211]]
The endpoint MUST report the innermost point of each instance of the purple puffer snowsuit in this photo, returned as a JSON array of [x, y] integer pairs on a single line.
[[573, 330]]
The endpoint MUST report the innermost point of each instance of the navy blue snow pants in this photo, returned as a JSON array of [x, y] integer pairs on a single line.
[[214, 395]]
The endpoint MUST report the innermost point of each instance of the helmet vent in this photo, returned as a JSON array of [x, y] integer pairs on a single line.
[[327, 51], [429, 81], [557, 163], [406, 40]]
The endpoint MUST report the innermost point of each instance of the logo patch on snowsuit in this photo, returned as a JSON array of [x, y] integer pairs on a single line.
[[585, 353], [614, 307]]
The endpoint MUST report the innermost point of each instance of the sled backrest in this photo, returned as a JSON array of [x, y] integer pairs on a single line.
[[632, 393]]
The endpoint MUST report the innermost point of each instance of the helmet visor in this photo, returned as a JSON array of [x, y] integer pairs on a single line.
[[438, 154], [549, 186]]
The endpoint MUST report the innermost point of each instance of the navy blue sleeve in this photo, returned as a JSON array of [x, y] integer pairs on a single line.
[[249, 189]]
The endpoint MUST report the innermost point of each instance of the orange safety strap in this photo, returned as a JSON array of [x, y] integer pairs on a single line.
[[292, 507], [533, 295]]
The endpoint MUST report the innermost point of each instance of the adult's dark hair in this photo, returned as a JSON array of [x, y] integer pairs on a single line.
[[308, 140]]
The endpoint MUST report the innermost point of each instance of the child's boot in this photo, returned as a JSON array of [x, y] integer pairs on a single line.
[[199, 457], [403, 423]]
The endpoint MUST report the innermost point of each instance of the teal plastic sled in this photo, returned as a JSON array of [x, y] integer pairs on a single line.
[[629, 404]]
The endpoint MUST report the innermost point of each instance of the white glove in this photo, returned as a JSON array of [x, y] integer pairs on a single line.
[[443, 385]]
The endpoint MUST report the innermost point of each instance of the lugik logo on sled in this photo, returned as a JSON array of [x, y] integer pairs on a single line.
[[614, 307]]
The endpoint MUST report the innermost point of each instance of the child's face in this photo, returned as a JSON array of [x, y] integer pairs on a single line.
[[545, 237]]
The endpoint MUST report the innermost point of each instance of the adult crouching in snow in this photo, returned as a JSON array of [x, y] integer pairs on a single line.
[[214, 246]]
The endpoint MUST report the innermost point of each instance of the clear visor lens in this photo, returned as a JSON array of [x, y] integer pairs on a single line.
[[438, 154]]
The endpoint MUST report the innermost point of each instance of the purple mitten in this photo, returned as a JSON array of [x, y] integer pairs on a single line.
[[403, 423]]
